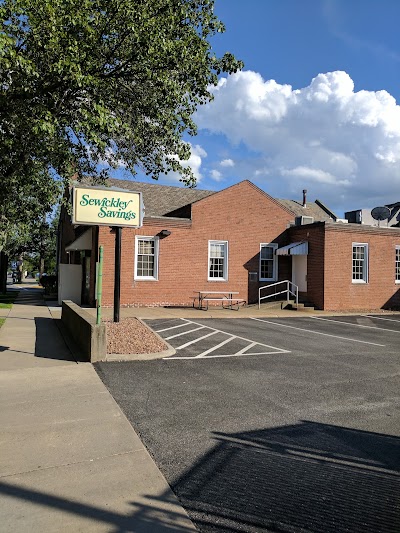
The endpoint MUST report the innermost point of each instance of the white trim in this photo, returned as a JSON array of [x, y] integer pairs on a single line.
[[156, 257], [225, 278], [365, 279], [273, 245]]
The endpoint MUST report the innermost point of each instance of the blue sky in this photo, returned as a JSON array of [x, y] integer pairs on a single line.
[[337, 136]]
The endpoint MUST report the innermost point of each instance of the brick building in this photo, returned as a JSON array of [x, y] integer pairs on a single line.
[[237, 239]]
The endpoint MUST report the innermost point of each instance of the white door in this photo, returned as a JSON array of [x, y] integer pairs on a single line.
[[299, 272]]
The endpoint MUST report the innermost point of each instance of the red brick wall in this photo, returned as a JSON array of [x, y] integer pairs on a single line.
[[381, 291], [242, 214]]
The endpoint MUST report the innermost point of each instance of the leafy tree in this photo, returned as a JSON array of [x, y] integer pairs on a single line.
[[89, 82], [34, 243], [24, 207]]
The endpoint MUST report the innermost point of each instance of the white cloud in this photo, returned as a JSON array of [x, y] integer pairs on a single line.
[[312, 174], [227, 163], [195, 161], [344, 144], [216, 175]]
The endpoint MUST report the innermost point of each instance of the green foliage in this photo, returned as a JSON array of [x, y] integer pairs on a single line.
[[24, 202], [7, 300], [49, 283], [35, 239], [115, 82], [2, 320]]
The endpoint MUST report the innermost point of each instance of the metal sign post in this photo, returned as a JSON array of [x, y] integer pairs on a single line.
[[99, 285], [117, 273]]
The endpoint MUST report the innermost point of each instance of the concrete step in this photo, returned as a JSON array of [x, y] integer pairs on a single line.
[[276, 304], [305, 307]]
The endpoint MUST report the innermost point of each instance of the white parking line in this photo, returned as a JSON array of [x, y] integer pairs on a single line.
[[316, 332], [237, 336], [220, 356], [240, 352], [381, 318], [195, 340], [171, 327], [184, 333], [203, 354], [354, 325]]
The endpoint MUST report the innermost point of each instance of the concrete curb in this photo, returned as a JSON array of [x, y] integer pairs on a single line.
[[143, 356]]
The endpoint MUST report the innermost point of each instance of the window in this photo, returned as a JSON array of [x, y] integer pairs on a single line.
[[360, 262], [397, 275], [268, 262], [218, 260], [146, 258]]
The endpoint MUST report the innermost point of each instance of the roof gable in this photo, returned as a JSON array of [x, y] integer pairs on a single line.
[[260, 191]]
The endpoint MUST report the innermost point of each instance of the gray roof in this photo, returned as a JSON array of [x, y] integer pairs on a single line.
[[160, 200], [312, 209]]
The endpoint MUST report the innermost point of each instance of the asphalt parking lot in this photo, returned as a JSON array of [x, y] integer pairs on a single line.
[[286, 425]]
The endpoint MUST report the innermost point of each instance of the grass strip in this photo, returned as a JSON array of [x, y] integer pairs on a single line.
[[7, 300], [2, 320]]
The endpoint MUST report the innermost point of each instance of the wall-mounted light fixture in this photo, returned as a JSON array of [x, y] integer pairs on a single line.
[[164, 233]]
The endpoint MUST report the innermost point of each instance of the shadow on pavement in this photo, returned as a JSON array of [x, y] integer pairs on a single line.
[[306, 477], [49, 342], [151, 518]]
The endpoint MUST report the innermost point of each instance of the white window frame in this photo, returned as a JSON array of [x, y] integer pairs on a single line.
[[274, 258], [156, 257], [397, 264], [225, 276], [364, 279]]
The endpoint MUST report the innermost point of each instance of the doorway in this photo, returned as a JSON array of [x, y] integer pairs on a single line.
[[299, 272]]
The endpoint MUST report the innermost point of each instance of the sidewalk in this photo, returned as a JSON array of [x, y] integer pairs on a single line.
[[69, 459]]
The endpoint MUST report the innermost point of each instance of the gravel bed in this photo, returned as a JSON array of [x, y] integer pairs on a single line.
[[130, 336]]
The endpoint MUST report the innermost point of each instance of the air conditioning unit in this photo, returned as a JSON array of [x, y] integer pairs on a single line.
[[301, 221]]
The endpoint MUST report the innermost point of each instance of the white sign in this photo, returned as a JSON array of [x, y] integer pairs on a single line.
[[107, 207]]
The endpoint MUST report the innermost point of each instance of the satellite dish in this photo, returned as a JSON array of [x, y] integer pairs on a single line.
[[380, 213]]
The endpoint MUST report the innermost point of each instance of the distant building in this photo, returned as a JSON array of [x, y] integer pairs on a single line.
[[363, 216]]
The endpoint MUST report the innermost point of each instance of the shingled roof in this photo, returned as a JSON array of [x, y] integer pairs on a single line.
[[162, 200], [312, 209], [166, 200]]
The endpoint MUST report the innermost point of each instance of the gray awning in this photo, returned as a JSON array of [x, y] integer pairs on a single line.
[[295, 248], [83, 242]]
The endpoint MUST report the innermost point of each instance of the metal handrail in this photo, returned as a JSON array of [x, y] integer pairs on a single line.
[[290, 286]]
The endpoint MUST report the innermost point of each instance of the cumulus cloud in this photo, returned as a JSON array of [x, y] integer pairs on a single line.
[[227, 163], [197, 154], [216, 175], [195, 160], [343, 144]]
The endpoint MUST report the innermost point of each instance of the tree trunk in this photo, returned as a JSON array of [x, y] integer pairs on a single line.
[[20, 268], [41, 265], [3, 272], [42, 247]]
